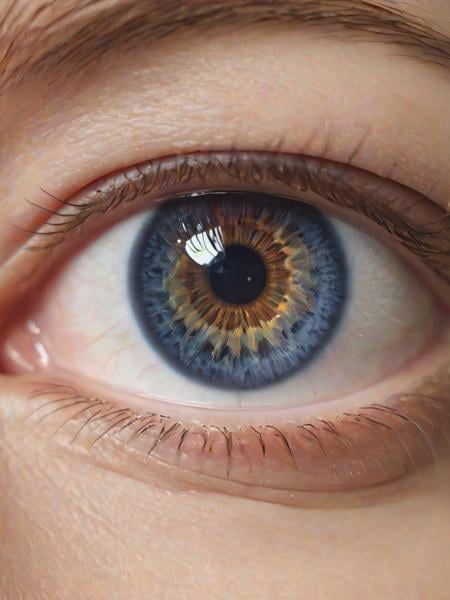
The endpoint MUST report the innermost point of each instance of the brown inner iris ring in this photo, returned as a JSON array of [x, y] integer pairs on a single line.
[[240, 327]]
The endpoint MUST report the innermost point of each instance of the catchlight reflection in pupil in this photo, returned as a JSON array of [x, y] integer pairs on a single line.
[[238, 290]]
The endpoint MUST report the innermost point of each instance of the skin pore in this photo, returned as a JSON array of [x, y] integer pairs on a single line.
[[79, 101]]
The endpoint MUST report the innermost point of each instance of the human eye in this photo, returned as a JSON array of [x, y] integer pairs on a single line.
[[271, 321]]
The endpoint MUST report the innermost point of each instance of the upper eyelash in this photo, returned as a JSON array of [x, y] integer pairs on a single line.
[[430, 241]]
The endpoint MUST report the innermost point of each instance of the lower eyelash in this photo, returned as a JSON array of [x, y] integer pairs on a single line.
[[358, 449]]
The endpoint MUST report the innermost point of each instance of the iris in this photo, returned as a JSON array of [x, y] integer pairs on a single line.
[[238, 290]]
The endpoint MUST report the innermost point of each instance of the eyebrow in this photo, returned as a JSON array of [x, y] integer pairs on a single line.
[[63, 37]]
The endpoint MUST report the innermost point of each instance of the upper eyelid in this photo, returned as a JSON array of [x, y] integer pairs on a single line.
[[430, 239], [334, 137], [22, 271]]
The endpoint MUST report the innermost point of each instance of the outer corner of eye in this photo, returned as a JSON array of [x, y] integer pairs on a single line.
[[231, 300]]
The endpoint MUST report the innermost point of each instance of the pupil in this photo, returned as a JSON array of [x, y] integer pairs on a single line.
[[239, 276]]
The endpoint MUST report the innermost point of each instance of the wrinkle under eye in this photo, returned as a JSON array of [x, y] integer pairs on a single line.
[[238, 290]]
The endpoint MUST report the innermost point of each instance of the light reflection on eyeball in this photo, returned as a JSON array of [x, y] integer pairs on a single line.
[[152, 307]]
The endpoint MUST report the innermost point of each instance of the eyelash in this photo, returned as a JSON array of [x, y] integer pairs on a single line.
[[97, 421], [335, 182]]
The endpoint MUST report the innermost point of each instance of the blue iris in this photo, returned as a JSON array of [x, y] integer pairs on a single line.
[[238, 290]]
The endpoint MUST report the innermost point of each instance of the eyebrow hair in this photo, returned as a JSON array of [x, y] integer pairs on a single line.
[[64, 36]]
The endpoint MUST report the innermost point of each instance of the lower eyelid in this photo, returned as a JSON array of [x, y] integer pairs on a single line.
[[356, 452]]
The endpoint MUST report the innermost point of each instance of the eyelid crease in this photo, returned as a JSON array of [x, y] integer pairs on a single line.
[[387, 204]]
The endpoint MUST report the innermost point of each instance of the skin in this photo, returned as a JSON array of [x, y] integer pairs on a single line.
[[71, 528]]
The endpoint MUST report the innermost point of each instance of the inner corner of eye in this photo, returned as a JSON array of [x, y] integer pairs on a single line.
[[222, 299]]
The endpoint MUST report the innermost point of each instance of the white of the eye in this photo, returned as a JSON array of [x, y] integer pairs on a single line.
[[389, 318]]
